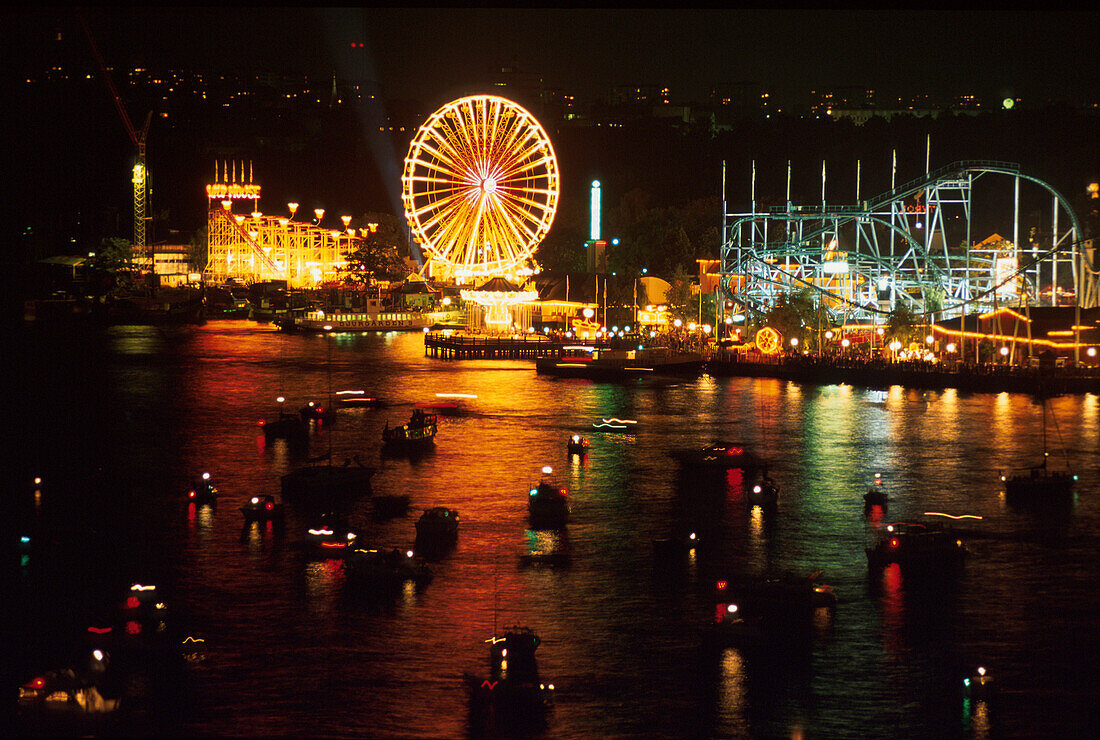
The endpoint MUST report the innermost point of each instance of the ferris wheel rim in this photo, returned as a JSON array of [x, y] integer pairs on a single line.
[[480, 184]]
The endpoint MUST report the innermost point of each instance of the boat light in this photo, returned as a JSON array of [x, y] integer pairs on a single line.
[[756, 489], [269, 506], [191, 494], [691, 536], [721, 585], [732, 608], [97, 654], [319, 532], [255, 500], [351, 535], [981, 671], [550, 686], [408, 553], [38, 481], [547, 470], [894, 542], [534, 491], [206, 476], [504, 653], [139, 587]]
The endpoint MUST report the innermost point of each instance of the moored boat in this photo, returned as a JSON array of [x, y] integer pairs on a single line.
[[577, 445], [916, 546], [618, 365], [436, 529], [513, 697], [263, 509], [327, 485], [548, 506], [419, 431]]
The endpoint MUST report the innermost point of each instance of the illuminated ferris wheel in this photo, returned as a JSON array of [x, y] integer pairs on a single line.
[[480, 186]]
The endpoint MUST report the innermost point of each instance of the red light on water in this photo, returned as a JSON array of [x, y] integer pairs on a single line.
[[721, 585], [133, 628], [563, 491], [99, 630], [261, 422], [894, 542], [132, 602], [37, 683], [333, 544]]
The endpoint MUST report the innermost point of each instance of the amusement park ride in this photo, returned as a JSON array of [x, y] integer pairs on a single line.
[[898, 248]]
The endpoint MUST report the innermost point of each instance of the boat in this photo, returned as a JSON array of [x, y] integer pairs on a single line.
[[718, 456], [875, 496], [440, 407], [332, 537], [436, 531], [513, 696], [577, 445], [286, 426], [548, 506], [916, 546], [419, 431], [263, 509], [386, 569], [764, 493], [330, 320], [772, 610], [71, 694], [328, 485], [312, 412], [1039, 483], [203, 492], [619, 364]]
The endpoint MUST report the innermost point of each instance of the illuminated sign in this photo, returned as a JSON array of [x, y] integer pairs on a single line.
[[583, 325], [232, 191]]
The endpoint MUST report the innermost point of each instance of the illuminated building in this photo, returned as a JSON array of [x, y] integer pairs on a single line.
[[254, 247]]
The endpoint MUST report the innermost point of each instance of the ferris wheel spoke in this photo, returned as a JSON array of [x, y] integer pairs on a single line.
[[518, 218], [450, 212], [520, 148], [509, 228], [529, 208], [448, 161]]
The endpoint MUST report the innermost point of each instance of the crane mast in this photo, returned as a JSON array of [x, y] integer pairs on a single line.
[[140, 177]]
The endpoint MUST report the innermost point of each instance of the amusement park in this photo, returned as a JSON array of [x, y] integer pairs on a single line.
[[896, 275], [900, 275]]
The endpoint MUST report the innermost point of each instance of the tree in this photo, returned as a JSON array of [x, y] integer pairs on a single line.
[[901, 324], [197, 252], [379, 255]]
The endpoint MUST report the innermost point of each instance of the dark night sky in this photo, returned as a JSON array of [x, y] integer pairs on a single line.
[[431, 54]]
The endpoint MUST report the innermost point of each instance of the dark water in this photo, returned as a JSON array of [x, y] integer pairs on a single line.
[[117, 424]]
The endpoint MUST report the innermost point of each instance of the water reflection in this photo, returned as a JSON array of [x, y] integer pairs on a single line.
[[883, 668]]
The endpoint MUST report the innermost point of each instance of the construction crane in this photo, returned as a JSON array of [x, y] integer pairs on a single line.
[[140, 173]]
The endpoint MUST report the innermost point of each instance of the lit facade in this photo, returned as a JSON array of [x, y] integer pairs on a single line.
[[254, 247]]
